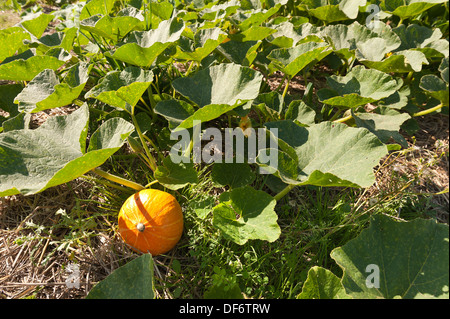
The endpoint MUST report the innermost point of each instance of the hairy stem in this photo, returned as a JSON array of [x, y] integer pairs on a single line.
[[117, 179], [428, 111], [284, 192]]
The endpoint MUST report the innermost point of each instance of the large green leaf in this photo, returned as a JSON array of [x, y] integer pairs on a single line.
[[8, 93], [174, 111], [46, 92], [248, 214], [290, 61], [325, 10], [326, 154], [243, 53], [345, 40], [226, 83], [111, 28], [426, 40], [407, 260], [322, 284], [205, 114], [351, 7], [36, 23], [360, 86], [385, 127], [400, 62], [232, 174], [25, 66], [408, 8], [435, 87], [54, 153], [287, 35], [176, 175], [63, 39], [141, 48], [134, 280], [11, 40], [122, 89], [94, 7], [205, 41], [256, 17]]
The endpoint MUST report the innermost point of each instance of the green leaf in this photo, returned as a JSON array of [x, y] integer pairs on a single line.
[[205, 114], [176, 175], [26, 66], [174, 111], [224, 286], [326, 154], [399, 62], [351, 7], [141, 48], [122, 89], [232, 174], [202, 206], [8, 92], [111, 28], [426, 40], [302, 113], [11, 40], [94, 7], [46, 92], [375, 44], [385, 127], [134, 280], [408, 8], [322, 284], [360, 86], [412, 259], [36, 23], [243, 53], [54, 153], [328, 11], [205, 41], [248, 214], [255, 17], [226, 83], [435, 87], [292, 60], [62, 40]]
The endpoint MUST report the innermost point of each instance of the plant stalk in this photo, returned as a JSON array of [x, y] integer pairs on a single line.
[[144, 144], [284, 192], [428, 111], [118, 179], [344, 119]]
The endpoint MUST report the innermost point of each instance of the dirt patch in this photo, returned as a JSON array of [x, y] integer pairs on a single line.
[[8, 18]]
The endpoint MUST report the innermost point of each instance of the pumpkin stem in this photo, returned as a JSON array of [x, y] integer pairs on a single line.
[[140, 227]]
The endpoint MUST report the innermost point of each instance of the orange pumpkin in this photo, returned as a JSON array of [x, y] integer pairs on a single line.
[[151, 221]]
